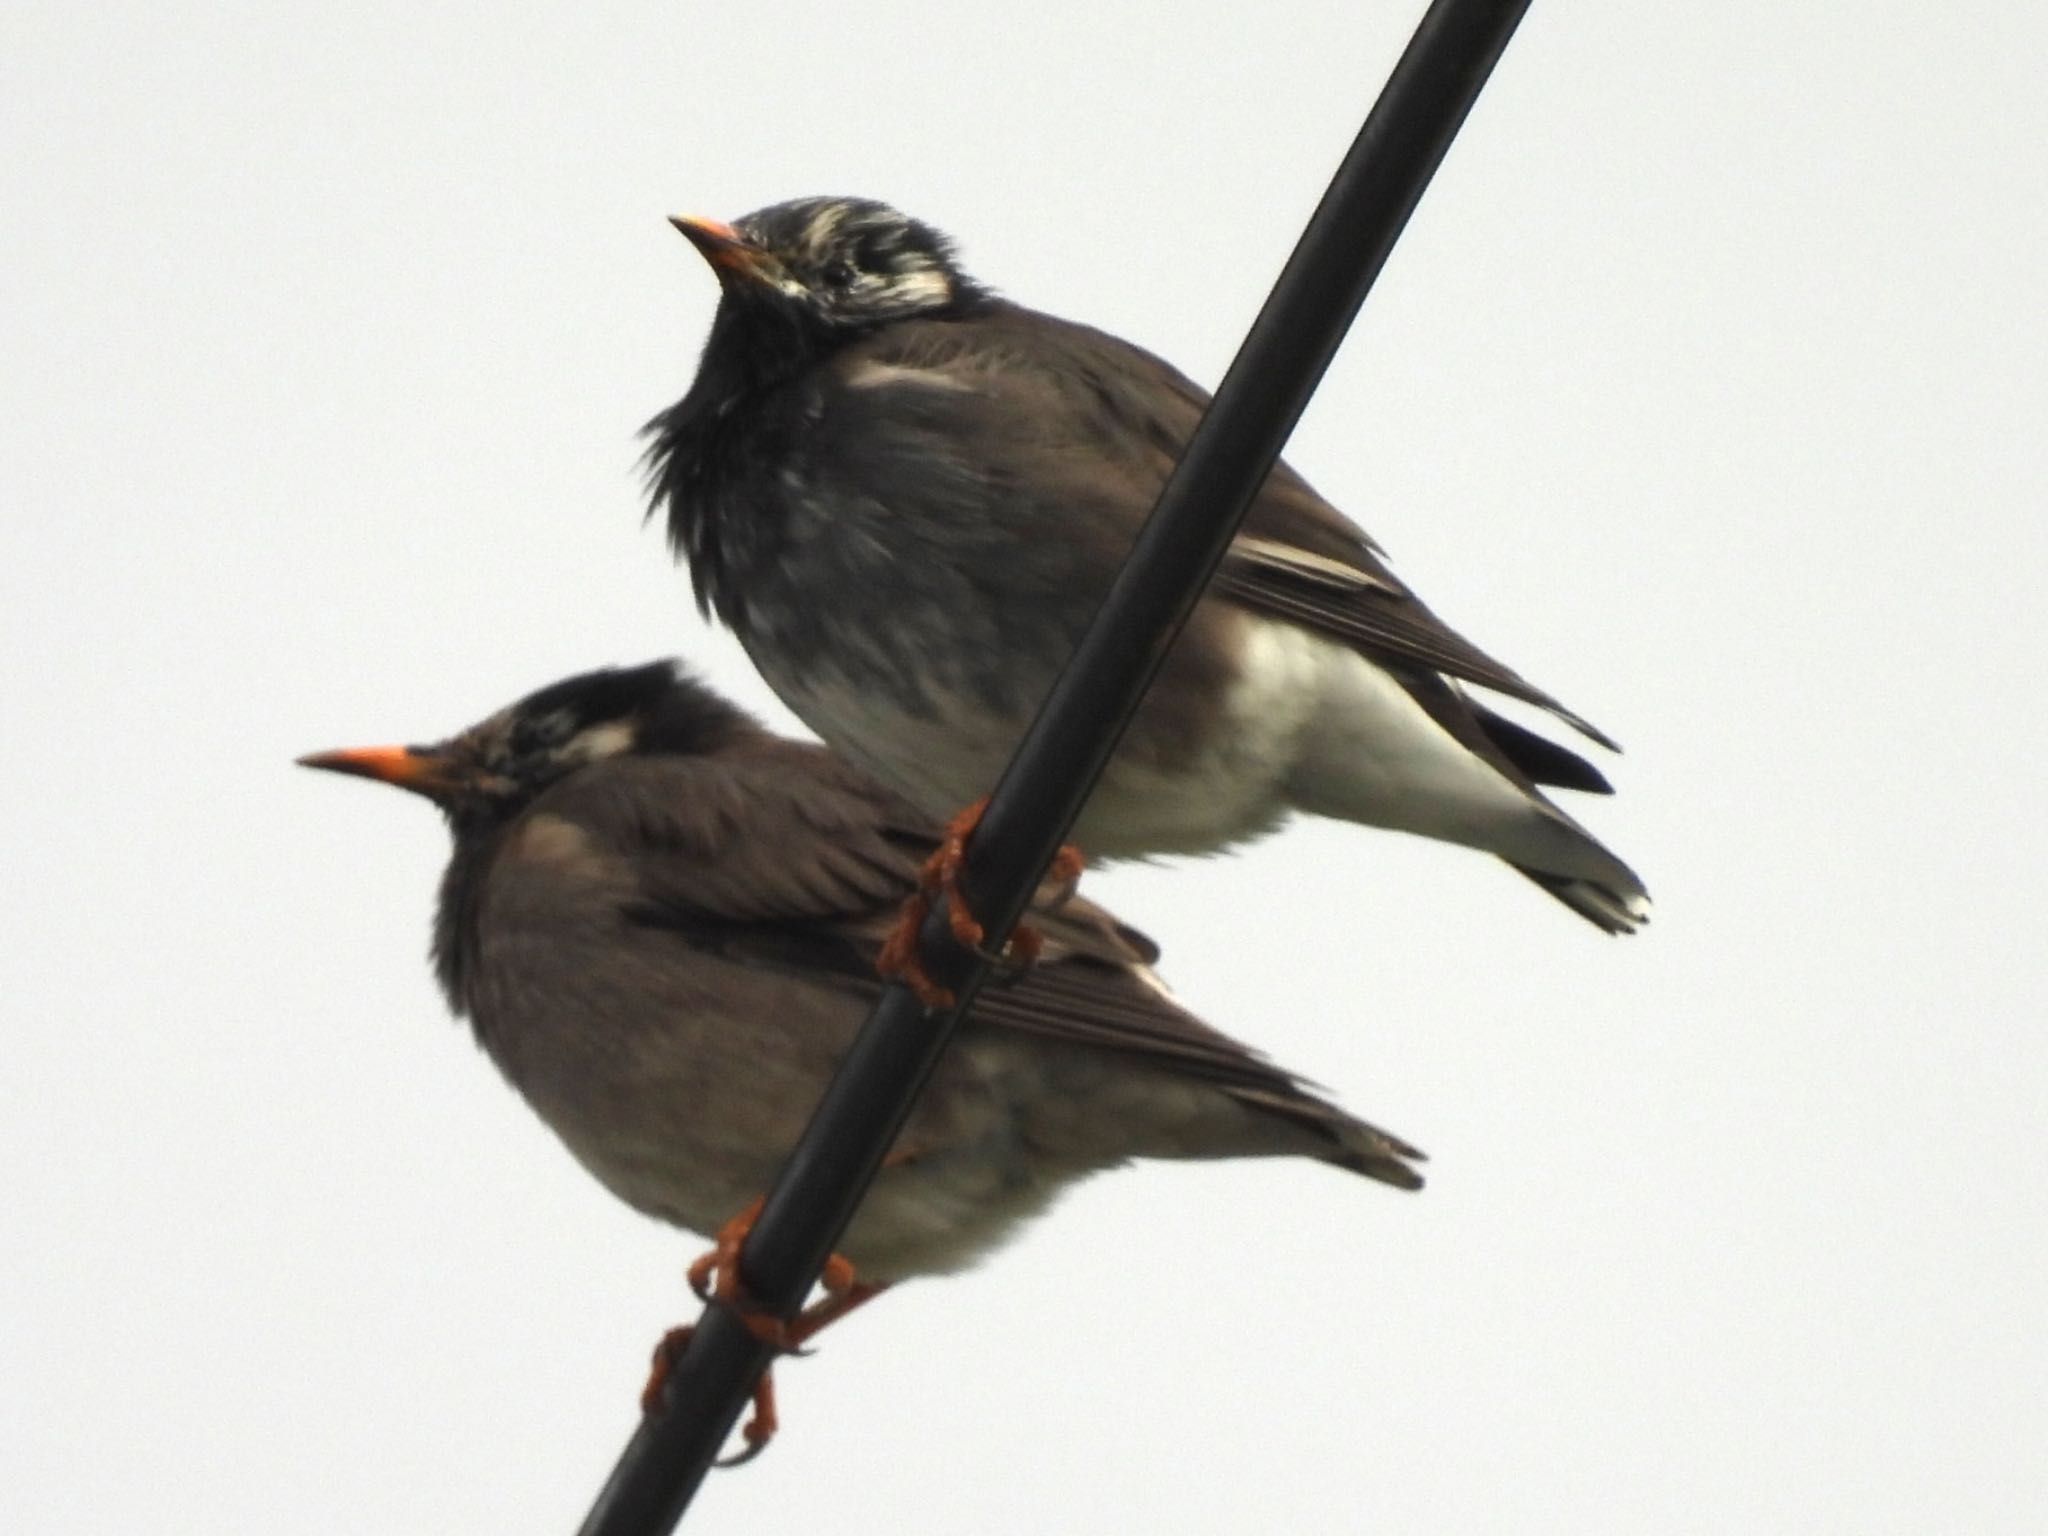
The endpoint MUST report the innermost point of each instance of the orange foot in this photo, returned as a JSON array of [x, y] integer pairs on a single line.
[[940, 876], [715, 1276], [761, 1423]]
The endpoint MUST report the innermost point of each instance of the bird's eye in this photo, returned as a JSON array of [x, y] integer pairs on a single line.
[[537, 734], [839, 274]]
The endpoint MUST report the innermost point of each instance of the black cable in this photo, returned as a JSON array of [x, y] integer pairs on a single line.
[[1041, 793]]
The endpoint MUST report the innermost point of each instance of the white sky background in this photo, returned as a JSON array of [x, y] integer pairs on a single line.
[[1706, 388]]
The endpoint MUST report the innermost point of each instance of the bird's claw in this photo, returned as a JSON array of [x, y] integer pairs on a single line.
[[715, 1277], [761, 1422], [940, 877]]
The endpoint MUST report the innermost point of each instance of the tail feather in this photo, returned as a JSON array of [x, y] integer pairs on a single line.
[[1540, 758], [1378, 1154], [1602, 905], [1413, 752], [1359, 1147], [1386, 1166]]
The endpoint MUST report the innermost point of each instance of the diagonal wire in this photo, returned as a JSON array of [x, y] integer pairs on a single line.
[[1276, 370]]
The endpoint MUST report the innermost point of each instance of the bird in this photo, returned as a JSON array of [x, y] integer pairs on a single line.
[[660, 921], [907, 495]]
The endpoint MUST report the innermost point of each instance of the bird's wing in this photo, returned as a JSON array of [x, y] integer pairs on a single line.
[[1092, 986], [772, 833], [1038, 418], [783, 858], [1359, 602]]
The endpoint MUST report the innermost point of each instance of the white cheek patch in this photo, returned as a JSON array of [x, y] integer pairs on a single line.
[[600, 742], [924, 288]]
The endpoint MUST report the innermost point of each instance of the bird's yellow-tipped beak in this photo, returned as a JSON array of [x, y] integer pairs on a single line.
[[729, 252], [419, 769]]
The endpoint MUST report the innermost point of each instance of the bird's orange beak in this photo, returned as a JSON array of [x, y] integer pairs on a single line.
[[419, 769], [730, 253]]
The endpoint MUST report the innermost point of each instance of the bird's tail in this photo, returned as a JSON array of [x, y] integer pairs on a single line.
[[1371, 1151], [1613, 908], [1334, 1137]]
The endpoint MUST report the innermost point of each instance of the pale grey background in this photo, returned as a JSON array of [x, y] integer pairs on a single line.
[[1706, 388]]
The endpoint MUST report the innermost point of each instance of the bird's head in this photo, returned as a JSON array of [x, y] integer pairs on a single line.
[[485, 776], [836, 266]]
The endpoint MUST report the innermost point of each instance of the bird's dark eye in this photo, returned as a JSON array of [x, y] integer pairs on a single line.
[[533, 735], [839, 274]]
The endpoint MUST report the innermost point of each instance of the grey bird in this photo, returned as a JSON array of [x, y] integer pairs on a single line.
[[661, 921], [907, 496]]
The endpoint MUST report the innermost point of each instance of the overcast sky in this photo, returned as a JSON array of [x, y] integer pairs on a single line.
[[1706, 388]]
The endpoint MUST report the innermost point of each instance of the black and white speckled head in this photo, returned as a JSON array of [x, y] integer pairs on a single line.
[[840, 266], [485, 776]]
